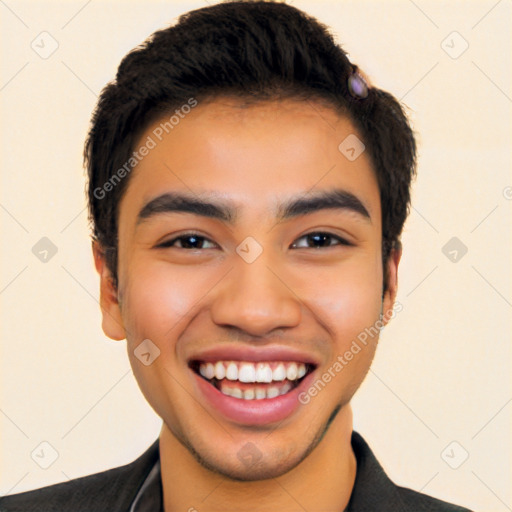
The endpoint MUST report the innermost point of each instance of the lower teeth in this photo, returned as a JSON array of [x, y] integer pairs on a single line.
[[254, 393]]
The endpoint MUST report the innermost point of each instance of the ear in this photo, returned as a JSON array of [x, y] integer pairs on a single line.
[[112, 322], [392, 280]]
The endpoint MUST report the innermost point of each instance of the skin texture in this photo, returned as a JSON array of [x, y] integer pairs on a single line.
[[314, 296]]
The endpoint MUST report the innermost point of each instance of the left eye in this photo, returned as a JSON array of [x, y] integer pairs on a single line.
[[324, 239]]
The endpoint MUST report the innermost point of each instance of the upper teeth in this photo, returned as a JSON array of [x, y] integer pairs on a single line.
[[244, 371]]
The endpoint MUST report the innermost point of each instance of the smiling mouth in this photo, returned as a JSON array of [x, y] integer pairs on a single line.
[[247, 380]]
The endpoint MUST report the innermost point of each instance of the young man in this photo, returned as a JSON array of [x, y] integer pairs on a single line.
[[247, 191]]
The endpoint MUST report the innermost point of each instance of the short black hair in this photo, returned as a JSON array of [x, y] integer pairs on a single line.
[[253, 51]]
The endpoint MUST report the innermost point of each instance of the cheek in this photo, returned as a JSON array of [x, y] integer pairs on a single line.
[[157, 301], [348, 300], [157, 306], [348, 305]]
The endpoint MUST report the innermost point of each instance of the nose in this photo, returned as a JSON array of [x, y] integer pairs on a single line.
[[256, 298]]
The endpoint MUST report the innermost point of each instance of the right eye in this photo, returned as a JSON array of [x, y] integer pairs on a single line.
[[187, 241]]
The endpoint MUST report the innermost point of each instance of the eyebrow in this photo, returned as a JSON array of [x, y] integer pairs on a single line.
[[172, 202]]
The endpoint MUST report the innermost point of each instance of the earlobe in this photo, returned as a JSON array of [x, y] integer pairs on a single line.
[[392, 283], [112, 322]]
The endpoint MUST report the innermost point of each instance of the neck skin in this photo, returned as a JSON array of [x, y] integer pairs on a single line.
[[321, 482]]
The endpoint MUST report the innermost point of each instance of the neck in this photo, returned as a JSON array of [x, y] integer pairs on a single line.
[[322, 481]]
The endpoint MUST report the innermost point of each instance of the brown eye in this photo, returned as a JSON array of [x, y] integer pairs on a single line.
[[320, 239], [187, 241]]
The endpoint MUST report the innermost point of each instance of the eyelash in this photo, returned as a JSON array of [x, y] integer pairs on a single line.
[[170, 243]]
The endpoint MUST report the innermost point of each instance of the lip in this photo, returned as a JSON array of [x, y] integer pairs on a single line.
[[254, 354], [251, 412]]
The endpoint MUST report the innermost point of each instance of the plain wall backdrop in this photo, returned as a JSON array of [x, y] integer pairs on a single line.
[[436, 405]]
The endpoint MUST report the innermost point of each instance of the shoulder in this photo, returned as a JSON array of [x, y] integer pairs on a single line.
[[419, 502], [112, 490], [374, 490]]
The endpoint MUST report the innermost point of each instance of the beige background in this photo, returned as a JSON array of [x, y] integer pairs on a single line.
[[442, 371]]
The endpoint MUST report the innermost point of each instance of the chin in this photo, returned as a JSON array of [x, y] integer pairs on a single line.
[[266, 468], [248, 463]]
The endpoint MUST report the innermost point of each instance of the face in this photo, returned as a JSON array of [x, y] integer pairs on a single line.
[[248, 287]]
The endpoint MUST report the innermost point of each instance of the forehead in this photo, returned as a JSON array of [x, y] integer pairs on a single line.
[[252, 155]]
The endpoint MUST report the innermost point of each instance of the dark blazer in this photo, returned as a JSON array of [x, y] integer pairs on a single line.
[[114, 490]]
